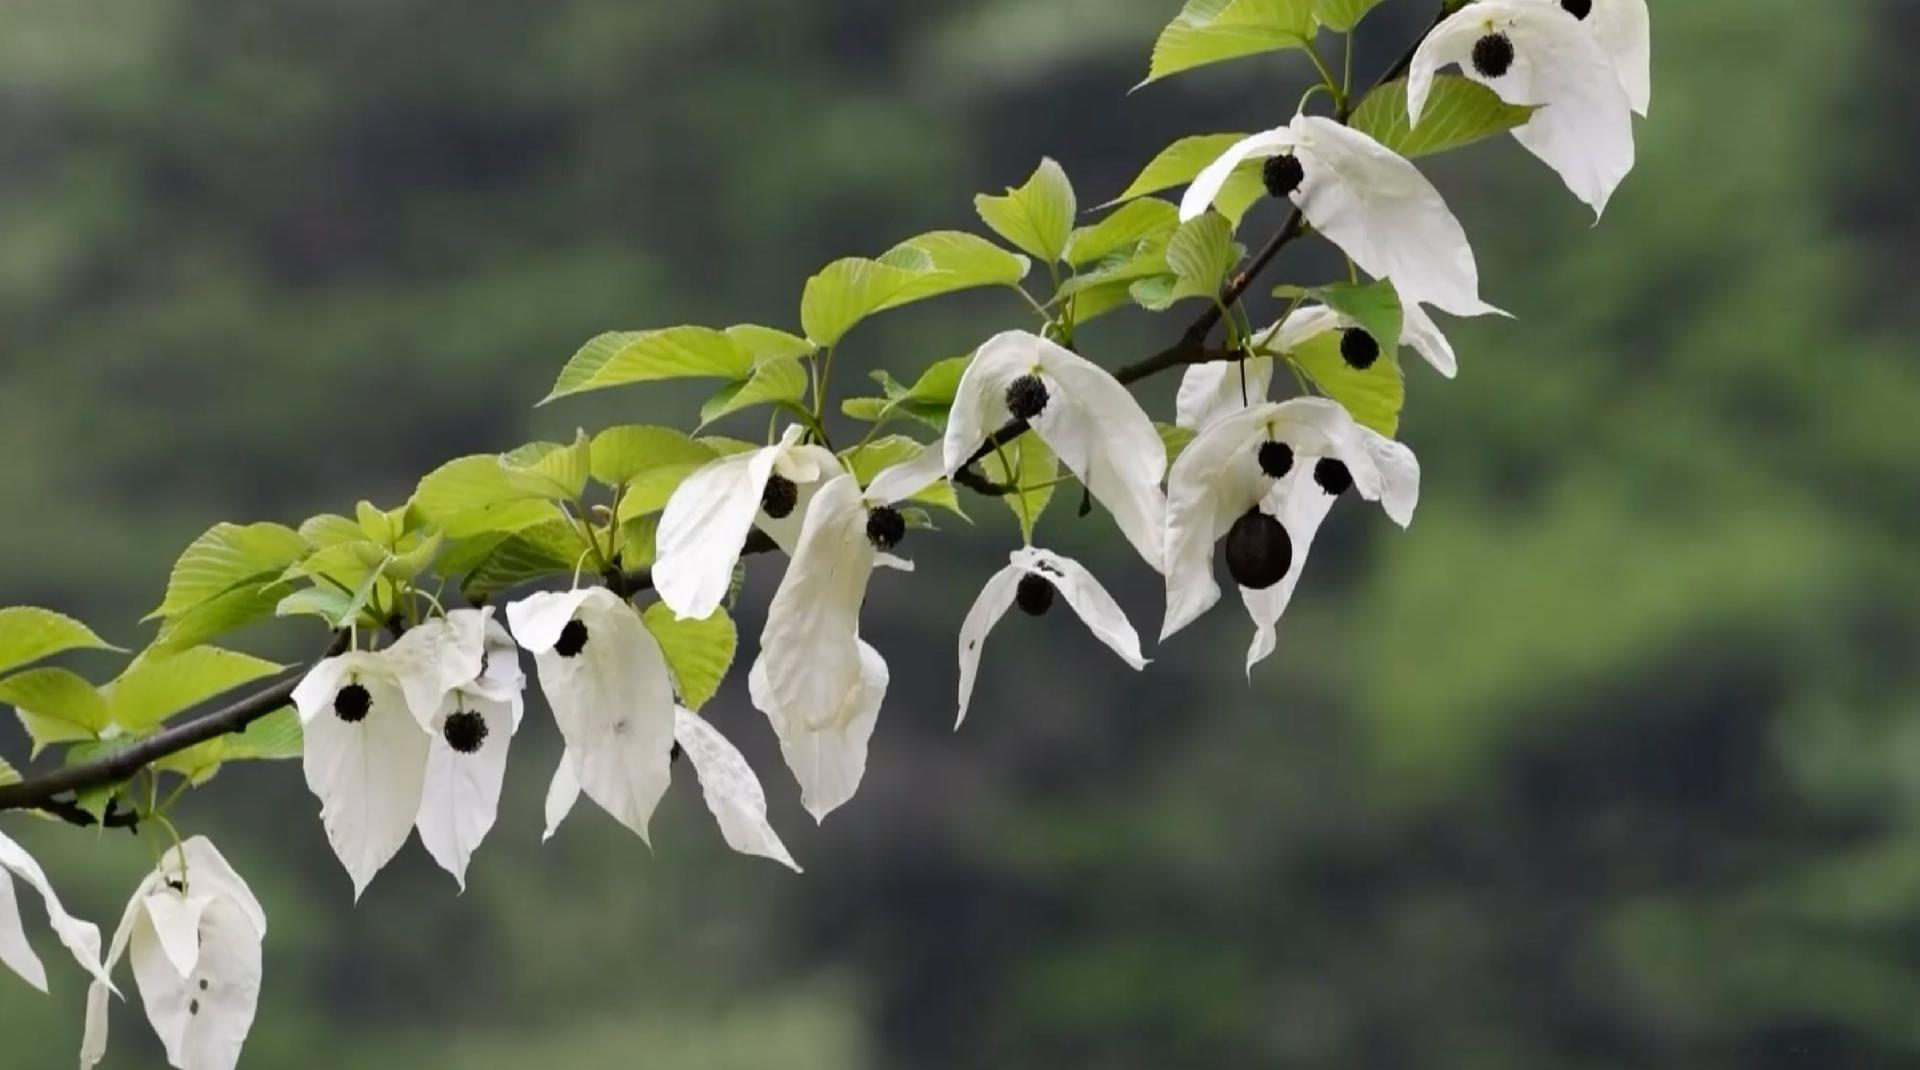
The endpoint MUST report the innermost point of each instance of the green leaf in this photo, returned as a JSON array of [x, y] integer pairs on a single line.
[[550, 549], [927, 400], [765, 343], [275, 737], [1036, 217], [331, 529], [961, 261], [618, 358], [29, 633], [1374, 396], [8, 775], [376, 524], [1459, 112], [1342, 16], [472, 495], [1212, 31], [157, 686], [1122, 231], [1375, 305], [699, 652], [225, 557], [1174, 438], [1201, 253], [882, 453], [94, 800], [623, 455], [774, 381], [1030, 464], [635, 542], [1181, 162], [243, 605], [415, 554], [848, 291], [549, 470], [56, 706]]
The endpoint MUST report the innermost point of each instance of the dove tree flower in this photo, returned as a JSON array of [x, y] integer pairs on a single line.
[[194, 932], [470, 725], [710, 514], [1263, 479], [1031, 580], [82, 938], [1089, 420], [1552, 56], [607, 680]]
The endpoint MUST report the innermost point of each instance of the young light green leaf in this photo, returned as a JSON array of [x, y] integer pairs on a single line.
[[698, 652], [376, 524], [882, 453], [927, 400], [550, 549], [251, 601], [634, 542], [1459, 112], [224, 557], [1123, 231], [621, 357], [158, 685], [765, 343], [1027, 463], [1036, 217], [472, 495], [848, 291], [960, 261], [774, 381], [331, 529], [56, 706], [29, 633], [1375, 305], [1342, 16], [324, 600], [275, 737], [1212, 31], [1374, 396], [622, 455], [1182, 161], [8, 775], [549, 470]]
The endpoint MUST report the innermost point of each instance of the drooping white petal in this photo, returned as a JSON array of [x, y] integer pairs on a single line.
[[562, 792], [908, 478], [1090, 601], [1418, 330], [1300, 506], [1624, 29], [1399, 475], [175, 920], [828, 759], [366, 773], [435, 657], [731, 790], [980, 400], [613, 697], [501, 680], [1584, 126], [461, 795], [1214, 389], [996, 597], [703, 528], [1208, 183], [810, 647], [82, 938]]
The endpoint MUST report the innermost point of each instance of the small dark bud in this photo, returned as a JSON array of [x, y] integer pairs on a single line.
[[1579, 9], [1493, 55], [1034, 596], [779, 497], [1333, 476], [885, 527], [573, 639], [1027, 397], [674, 754], [465, 731], [352, 704], [1259, 551], [1282, 175], [1276, 459], [1358, 349]]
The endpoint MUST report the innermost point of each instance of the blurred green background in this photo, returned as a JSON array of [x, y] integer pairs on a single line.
[[1611, 761]]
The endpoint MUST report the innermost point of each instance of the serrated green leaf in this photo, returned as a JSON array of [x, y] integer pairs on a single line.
[[325, 601], [471, 495], [224, 557], [1459, 112], [252, 601], [764, 343], [1036, 217], [618, 358], [331, 529], [1342, 16], [159, 685], [8, 775], [1201, 253], [56, 706], [550, 470], [1179, 163], [848, 291], [698, 652], [1212, 31], [1028, 464], [625, 455], [375, 523], [1374, 396], [882, 453], [550, 549], [959, 261], [275, 737], [1122, 231], [29, 633], [634, 542], [774, 381], [1374, 305], [414, 556], [927, 400]]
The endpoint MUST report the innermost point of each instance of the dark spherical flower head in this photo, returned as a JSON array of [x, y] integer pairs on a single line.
[[465, 731], [885, 527], [1358, 348], [1493, 55], [352, 704], [1333, 476], [1027, 397], [779, 497], [1276, 459], [1034, 596], [1259, 551], [1282, 175], [573, 639], [1579, 9]]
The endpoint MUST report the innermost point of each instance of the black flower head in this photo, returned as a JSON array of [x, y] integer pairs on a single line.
[[1276, 459], [885, 527], [465, 731], [1034, 596], [779, 497], [1333, 476], [1358, 348], [1493, 55], [1579, 9], [1259, 551], [1282, 175], [573, 639], [352, 703], [1027, 397]]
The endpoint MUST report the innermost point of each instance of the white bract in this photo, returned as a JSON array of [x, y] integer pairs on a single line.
[[708, 518], [1378, 208], [82, 938], [1089, 420], [607, 681], [1031, 577], [1221, 479], [365, 756], [194, 932], [1535, 53], [1624, 29], [470, 725]]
